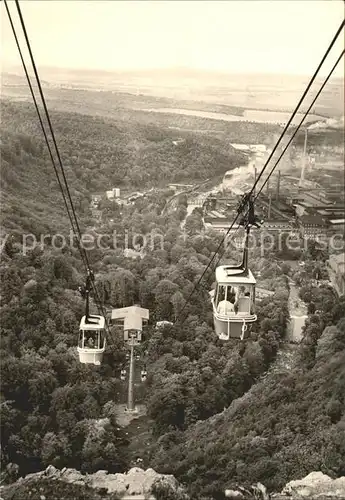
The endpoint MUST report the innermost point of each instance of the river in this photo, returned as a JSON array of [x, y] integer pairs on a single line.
[[249, 115]]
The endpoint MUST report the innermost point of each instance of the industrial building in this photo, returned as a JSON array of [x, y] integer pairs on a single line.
[[312, 226], [288, 203], [336, 226]]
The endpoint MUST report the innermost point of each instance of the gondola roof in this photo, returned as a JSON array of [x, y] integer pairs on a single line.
[[99, 323], [230, 275]]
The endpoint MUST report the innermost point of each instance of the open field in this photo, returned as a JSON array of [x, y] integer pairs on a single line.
[[184, 89]]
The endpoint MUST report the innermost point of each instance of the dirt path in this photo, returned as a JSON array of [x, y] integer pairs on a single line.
[[298, 314]]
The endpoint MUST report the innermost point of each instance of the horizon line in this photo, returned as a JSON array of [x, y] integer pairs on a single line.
[[162, 68]]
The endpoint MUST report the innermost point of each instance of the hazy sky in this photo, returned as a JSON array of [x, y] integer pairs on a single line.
[[275, 36]]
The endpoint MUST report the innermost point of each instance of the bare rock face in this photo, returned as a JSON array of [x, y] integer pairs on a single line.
[[140, 484], [135, 482], [254, 492], [316, 486]]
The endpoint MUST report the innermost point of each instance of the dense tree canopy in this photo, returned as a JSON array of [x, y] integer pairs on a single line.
[[213, 423]]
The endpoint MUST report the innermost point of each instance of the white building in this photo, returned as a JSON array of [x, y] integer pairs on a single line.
[[131, 253], [242, 147], [162, 324], [113, 193], [337, 226], [255, 148]]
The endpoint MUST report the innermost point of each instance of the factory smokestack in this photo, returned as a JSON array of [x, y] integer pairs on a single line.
[[269, 206], [304, 157], [278, 185]]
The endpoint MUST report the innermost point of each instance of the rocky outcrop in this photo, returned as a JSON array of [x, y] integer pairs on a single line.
[[133, 484], [137, 484], [315, 486]]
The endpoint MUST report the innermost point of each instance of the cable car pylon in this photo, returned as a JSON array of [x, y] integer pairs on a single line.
[[130, 403], [132, 319]]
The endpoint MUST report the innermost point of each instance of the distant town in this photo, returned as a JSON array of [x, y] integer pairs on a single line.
[[294, 202]]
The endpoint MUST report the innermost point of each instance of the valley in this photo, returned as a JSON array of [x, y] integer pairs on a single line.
[[218, 414]]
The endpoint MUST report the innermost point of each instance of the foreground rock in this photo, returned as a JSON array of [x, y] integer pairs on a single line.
[[135, 484], [138, 484], [316, 486]]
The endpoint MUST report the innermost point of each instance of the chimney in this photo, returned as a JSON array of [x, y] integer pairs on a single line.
[[303, 157], [269, 206], [278, 185]]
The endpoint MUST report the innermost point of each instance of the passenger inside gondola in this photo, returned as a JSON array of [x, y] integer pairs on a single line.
[[226, 299], [243, 301], [90, 342]]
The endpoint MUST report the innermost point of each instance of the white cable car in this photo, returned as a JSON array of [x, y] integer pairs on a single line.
[[143, 375], [91, 340], [91, 345], [233, 300], [123, 375]]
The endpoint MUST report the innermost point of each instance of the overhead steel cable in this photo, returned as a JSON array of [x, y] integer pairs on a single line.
[[302, 121], [299, 102], [297, 128], [38, 113], [47, 116], [42, 125], [77, 231], [268, 160]]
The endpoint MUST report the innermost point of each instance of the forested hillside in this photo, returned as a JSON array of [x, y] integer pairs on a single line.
[[292, 424], [56, 411], [288, 425], [97, 154], [100, 153]]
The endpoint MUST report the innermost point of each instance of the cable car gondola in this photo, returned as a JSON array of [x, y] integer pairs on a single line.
[[91, 345], [233, 300]]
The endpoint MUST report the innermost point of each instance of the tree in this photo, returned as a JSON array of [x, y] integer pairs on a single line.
[[163, 490], [166, 407], [123, 288], [254, 359], [193, 224], [177, 301], [164, 292], [56, 450]]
